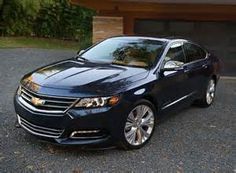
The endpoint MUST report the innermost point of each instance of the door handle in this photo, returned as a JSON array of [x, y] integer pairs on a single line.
[[186, 69], [204, 66]]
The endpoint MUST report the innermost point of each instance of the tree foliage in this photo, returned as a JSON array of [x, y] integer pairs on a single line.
[[62, 20], [17, 16], [44, 18]]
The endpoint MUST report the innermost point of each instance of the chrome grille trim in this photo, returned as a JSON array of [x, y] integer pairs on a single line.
[[54, 105], [25, 97], [39, 130], [23, 90], [29, 106]]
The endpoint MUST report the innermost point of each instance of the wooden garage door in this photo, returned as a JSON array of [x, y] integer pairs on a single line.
[[219, 37]]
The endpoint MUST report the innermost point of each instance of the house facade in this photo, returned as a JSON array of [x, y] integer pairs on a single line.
[[212, 23]]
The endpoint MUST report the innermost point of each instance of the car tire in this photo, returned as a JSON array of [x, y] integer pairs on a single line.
[[209, 94], [138, 130]]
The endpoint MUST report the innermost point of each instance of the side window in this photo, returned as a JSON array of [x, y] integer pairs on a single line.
[[193, 52], [175, 54]]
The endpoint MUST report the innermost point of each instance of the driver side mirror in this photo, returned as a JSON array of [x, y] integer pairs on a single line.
[[80, 52], [172, 66]]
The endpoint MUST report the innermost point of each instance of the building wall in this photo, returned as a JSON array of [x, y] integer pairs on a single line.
[[218, 37], [104, 27]]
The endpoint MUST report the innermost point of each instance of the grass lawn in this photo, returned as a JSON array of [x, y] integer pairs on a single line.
[[33, 42]]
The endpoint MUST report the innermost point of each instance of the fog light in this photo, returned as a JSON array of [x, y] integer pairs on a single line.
[[82, 133]]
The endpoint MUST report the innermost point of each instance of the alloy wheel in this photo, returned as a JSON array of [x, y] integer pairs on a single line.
[[210, 94], [139, 125]]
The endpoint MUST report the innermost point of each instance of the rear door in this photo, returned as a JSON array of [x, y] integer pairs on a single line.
[[196, 66]]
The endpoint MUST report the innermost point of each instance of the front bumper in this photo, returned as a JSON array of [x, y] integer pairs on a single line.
[[106, 123]]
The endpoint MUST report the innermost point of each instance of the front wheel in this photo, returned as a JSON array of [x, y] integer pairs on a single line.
[[209, 94], [139, 125]]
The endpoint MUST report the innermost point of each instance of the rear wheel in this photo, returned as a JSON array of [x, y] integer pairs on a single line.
[[139, 125], [209, 94]]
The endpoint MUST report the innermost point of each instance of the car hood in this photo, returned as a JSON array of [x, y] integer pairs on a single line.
[[74, 78]]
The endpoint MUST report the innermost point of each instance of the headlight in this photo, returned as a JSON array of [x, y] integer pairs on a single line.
[[97, 102]]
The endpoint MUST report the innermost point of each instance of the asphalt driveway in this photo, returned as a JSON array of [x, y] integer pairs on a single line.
[[192, 140]]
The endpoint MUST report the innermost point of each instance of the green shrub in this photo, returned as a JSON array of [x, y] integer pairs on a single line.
[[45, 18], [62, 20], [17, 16]]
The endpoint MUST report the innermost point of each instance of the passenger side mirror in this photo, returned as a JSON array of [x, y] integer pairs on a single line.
[[172, 66], [80, 52]]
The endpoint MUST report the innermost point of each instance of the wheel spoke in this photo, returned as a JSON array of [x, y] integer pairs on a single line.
[[212, 95], [128, 125], [208, 98], [145, 111], [212, 88], [131, 117], [147, 121], [139, 136], [139, 112], [131, 135], [145, 134]]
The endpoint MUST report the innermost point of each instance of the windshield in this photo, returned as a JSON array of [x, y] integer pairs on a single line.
[[125, 51]]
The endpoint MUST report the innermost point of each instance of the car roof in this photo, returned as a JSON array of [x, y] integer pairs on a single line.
[[168, 39], [164, 39]]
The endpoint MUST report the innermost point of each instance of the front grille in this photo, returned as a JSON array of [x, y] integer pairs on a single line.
[[39, 130], [47, 104]]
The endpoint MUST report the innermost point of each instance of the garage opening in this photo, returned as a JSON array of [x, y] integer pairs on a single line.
[[218, 37]]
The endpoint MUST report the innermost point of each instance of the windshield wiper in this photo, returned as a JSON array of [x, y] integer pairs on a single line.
[[82, 58]]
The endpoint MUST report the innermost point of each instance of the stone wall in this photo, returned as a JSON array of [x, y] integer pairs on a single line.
[[104, 27]]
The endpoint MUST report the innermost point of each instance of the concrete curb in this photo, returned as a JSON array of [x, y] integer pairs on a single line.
[[228, 77]]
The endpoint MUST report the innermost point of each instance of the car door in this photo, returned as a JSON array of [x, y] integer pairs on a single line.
[[196, 66], [172, 84]]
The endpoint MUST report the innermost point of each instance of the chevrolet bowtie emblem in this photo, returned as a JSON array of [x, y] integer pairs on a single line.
[[37, 102]]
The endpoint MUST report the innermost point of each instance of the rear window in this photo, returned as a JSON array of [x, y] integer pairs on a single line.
[[193, 52]]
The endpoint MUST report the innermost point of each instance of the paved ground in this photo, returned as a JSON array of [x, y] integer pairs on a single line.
[[193, 140]]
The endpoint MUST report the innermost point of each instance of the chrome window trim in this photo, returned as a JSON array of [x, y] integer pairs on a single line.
[[195, 61]]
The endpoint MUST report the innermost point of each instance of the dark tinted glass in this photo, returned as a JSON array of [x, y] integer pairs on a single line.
[[175, 53], [193, 52], [126, 51]]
